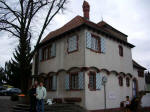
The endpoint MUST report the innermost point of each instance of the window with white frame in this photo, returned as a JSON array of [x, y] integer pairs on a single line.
[[72, 43]]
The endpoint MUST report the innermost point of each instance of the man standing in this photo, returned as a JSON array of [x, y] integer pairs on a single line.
[[40, 95]]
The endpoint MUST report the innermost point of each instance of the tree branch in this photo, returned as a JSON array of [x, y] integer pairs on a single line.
[[8, 8], [46, 23], [10, 31]]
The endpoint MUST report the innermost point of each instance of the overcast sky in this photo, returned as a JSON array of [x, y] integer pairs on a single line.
[[131, 17]]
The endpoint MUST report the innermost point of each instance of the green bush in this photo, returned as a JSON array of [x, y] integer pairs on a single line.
[[14, 97]]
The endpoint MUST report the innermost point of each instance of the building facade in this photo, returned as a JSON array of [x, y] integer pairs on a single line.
[[73, 60]]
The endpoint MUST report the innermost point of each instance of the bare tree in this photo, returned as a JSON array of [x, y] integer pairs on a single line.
[[17, 17]]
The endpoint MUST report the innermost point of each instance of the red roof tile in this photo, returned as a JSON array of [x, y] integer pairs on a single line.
[[76, 22], [112, 30]]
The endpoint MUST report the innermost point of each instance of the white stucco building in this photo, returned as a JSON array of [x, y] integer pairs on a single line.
[[73, 59]]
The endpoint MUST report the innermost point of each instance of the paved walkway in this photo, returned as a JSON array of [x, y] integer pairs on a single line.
[[6, 104]]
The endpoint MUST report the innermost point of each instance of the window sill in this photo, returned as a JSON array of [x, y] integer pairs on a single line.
[[94, 50], [92, 89], [48, 59], [69, 52]]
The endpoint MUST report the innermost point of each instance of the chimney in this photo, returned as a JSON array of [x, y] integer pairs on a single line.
[[86, 9]]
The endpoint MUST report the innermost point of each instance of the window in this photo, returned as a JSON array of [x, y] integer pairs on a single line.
[[95, 43], [52, 50], [45, 53], [120, 81], [120, 50], [49, 52], [52, 82], [92, 80], [140, 73], [72, 44], [74, 81], [127, 82]]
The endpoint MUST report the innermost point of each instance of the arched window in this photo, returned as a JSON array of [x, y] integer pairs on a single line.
[[120, 81], [127, 82]]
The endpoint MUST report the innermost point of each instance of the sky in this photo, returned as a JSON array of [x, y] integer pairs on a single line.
[[128, 16]]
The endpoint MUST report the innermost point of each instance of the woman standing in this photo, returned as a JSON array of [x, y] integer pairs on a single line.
[[33, 100]]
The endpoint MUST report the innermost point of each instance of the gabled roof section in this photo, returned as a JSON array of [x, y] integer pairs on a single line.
[[76, 23], [135, 64], [112, 30]]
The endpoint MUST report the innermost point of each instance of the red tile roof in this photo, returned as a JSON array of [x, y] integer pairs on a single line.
[[75, 23], [112, 30]]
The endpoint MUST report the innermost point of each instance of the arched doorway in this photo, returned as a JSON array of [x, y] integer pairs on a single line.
[[134, 87]]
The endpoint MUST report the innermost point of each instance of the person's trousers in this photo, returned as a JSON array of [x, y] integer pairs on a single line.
[[40, 105]]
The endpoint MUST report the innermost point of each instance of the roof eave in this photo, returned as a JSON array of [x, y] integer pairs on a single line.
[[96, 28]]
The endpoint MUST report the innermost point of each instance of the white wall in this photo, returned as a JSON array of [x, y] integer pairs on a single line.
[[95, 99], [111, 59], [61, 92], [63, 60]]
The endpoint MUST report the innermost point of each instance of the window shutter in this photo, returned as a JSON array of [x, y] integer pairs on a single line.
[[54, 82], [98, 81], [103, 47], [81, 80], [53, 50], [88, 40], [40, 54], [67, 85], [72, 41]]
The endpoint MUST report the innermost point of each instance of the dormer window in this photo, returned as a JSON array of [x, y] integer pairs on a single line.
[[120, 50], [72, 44]]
